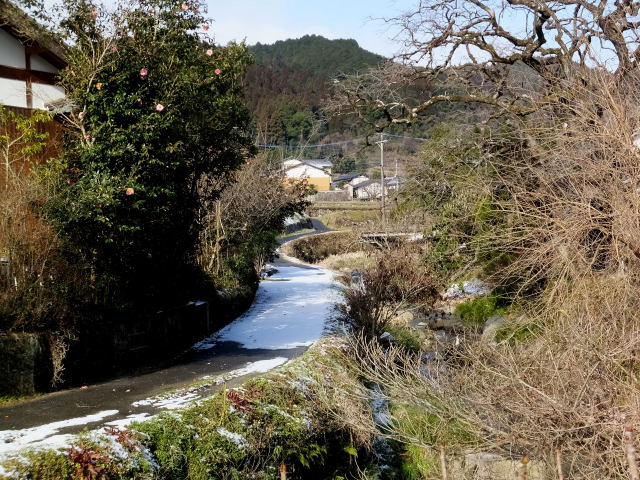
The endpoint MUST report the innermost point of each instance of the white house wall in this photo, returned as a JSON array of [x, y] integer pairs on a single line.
[[43, 94], [11, 51], [40, 64], [13, 93]]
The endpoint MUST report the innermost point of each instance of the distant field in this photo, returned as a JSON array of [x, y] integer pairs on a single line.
[[354, 205]]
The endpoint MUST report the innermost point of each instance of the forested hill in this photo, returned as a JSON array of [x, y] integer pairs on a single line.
[[291, 78]]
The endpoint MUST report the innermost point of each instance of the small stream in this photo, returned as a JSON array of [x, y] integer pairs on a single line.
[[290, 312]]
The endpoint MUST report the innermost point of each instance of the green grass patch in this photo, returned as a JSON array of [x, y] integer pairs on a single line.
[[297, 232], [475, 312], [431, 429], [406, 337], [418, 463], [10, 400], [515, 333]]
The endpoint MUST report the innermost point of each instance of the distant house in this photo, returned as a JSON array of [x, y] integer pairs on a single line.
[[291, 162], [325, 165], [350, 178], [316, 177], [30, 59], [372, 189]]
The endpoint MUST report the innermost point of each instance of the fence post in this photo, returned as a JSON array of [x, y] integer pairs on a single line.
[[443, 462], [630, 452], [523, 471], [559, 463]]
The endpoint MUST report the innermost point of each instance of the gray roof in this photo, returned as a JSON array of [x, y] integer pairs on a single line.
[[347, 177], [318, 163]]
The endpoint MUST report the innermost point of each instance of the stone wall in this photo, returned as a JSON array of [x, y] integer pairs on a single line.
[[25, 365], [113, 344]]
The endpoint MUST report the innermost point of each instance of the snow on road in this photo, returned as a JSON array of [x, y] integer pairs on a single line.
[[290, 310], [11, 441]]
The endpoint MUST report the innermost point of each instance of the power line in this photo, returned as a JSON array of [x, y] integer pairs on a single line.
[[353, 140], [403, 136], [344, 142]]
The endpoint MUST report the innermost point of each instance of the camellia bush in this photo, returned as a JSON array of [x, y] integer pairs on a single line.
[[155, 105]]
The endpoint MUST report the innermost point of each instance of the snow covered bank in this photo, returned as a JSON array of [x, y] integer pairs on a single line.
[[12, 441]]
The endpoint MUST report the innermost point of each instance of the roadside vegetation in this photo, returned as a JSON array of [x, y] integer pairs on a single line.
[[280, 422], [154, 196]]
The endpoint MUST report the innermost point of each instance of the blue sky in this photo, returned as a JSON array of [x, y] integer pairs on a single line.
[[266, 21]]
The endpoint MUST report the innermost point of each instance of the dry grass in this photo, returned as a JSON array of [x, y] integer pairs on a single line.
[[563, 386], [316, 248], [348, 262]]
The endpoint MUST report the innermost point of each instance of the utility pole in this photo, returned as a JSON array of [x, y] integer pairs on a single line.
[[381, 143]]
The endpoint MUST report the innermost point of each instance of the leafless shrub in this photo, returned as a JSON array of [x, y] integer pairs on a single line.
[[568, 189], [564, 377], [398, 279], [59, 347], [244, 205], [38, 286]]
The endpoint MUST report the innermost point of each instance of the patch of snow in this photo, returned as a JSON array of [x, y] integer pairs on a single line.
[[11, 441], [467, 289], [197, 303], [125, 422], [236, 438], [285, 314], [261, 366], [380, 407], [125, 455], [168, 402]]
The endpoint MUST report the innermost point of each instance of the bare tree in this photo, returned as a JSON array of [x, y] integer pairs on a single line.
[[510, 54]]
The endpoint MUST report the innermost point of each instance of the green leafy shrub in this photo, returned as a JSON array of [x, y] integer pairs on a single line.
[[157, 106], [247, 431]]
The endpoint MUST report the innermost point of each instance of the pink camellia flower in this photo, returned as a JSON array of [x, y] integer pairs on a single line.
[[94, 14], [68, 181], [185, 6], [217, 71], [114, 49], [81, 115], [209, 52], [205, 27], [129, 191], [143, 73], [159, 107], [87, 137], [139, 101]]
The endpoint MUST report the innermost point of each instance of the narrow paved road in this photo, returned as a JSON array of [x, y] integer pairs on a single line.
[[289, 313]]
